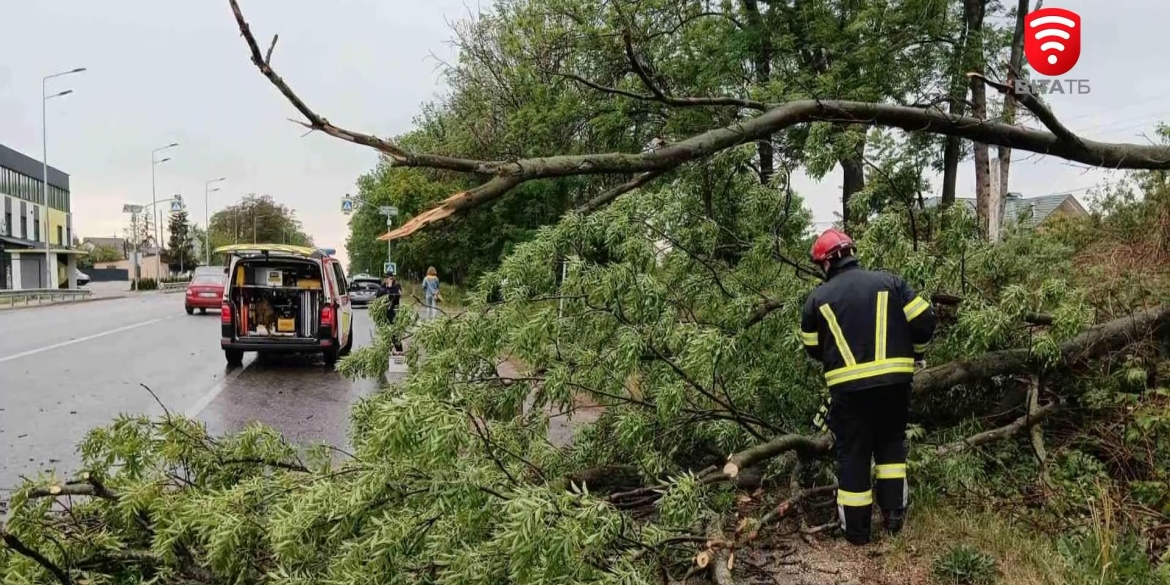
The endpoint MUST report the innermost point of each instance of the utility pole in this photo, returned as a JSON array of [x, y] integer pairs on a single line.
[[45, 168], [389, 211], [207, 218], [154, 201]]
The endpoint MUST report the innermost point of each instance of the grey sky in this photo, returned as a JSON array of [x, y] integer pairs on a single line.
[[178, 71]]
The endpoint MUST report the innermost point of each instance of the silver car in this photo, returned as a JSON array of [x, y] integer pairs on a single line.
[[363, 290]]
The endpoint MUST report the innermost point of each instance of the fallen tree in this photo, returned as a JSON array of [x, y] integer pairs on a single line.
[[689, 348]]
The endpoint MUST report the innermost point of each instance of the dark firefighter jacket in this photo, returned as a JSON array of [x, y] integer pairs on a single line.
[[866, 327]]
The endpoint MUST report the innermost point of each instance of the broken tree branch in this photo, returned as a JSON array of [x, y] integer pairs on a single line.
[[1094, 342], [14, 543], [762, 311], [806, 446], [681, 102], [86, 487], [608, 196], [508, 174], [1027, 421], [1034, 105], [781, 509]]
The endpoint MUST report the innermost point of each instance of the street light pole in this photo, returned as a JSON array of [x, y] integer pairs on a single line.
[[45, 164], [153, 201], [207, 218]]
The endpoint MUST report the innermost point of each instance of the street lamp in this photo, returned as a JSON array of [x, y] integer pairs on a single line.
[[45, 97], [154, 200], [207, 218]]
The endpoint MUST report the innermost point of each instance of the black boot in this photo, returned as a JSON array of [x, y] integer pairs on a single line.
[[894, 521]]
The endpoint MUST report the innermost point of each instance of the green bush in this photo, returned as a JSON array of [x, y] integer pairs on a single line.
[[144, 284], [965, 565]]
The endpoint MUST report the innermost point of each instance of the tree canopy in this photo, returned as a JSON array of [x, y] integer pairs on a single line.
[[257, 218]]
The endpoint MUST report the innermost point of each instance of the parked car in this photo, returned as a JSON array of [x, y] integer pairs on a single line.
[[82, 278], [282, 298], [205, 291], [363, 289]]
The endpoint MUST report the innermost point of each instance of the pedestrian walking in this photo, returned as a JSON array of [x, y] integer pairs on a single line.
[[431, 293], [869, 354]]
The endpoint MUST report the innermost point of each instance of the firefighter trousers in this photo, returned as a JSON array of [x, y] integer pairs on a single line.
[[867, 425]]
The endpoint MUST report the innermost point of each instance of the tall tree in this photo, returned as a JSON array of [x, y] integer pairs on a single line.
[[1015, 71], [182, 253], [257, 219], [974, 11]]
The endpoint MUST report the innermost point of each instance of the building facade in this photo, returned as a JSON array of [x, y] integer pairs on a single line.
[[27, 223]]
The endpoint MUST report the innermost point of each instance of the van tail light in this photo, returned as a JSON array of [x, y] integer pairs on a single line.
[[225, 314], [327, 316]]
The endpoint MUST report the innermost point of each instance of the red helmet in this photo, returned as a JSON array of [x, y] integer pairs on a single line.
[[829, 244]]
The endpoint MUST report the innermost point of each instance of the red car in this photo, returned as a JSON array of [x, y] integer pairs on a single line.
[[205, 292]]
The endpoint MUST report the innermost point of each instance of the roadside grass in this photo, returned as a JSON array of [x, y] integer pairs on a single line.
[[959, 541]]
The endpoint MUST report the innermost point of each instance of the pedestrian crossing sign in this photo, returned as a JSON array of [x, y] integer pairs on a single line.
[[347, 205], [176, 205]]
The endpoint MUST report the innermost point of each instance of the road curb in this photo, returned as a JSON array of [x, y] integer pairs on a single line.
[[58, 304]]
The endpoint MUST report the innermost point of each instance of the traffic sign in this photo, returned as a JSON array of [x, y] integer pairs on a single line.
[[389, 268], [389, 210], [176, 205], [347, 205]]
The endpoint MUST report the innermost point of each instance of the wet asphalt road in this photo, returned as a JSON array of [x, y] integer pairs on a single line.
[[65, 369]]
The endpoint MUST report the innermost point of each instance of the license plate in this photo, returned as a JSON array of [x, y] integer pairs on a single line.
[[207, 295]]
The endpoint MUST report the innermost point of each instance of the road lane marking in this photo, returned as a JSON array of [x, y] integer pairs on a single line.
[[211, 395], [80, 340]]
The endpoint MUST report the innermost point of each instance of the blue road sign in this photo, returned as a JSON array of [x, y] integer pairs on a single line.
[[389, 268], [176, 206], [347, 205]]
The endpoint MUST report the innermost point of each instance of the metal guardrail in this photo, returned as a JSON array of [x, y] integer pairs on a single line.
[[172, 287], [28, 297]]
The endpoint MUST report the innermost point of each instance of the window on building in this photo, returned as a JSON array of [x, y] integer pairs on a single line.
[[8, 227], [60, 236], [37, 228], [24, 227]]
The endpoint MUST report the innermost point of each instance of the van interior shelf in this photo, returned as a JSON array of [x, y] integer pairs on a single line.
[[266, 287]]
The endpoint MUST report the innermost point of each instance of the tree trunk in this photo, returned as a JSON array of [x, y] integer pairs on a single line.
[[973, 11], [955, 108], [1015, 63], [854, 181], [762, 62]]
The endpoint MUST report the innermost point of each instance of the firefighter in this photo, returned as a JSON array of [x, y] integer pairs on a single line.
[[869, 330]]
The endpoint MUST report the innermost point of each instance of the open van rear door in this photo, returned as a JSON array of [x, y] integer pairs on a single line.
[[267, 249]]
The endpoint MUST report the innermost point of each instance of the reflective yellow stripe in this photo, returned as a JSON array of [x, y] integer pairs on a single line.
[[842, 345], [921, 347], [915, 308], [808, 338], [891, 471], [869, 370], [879, 342], [855, 498]]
